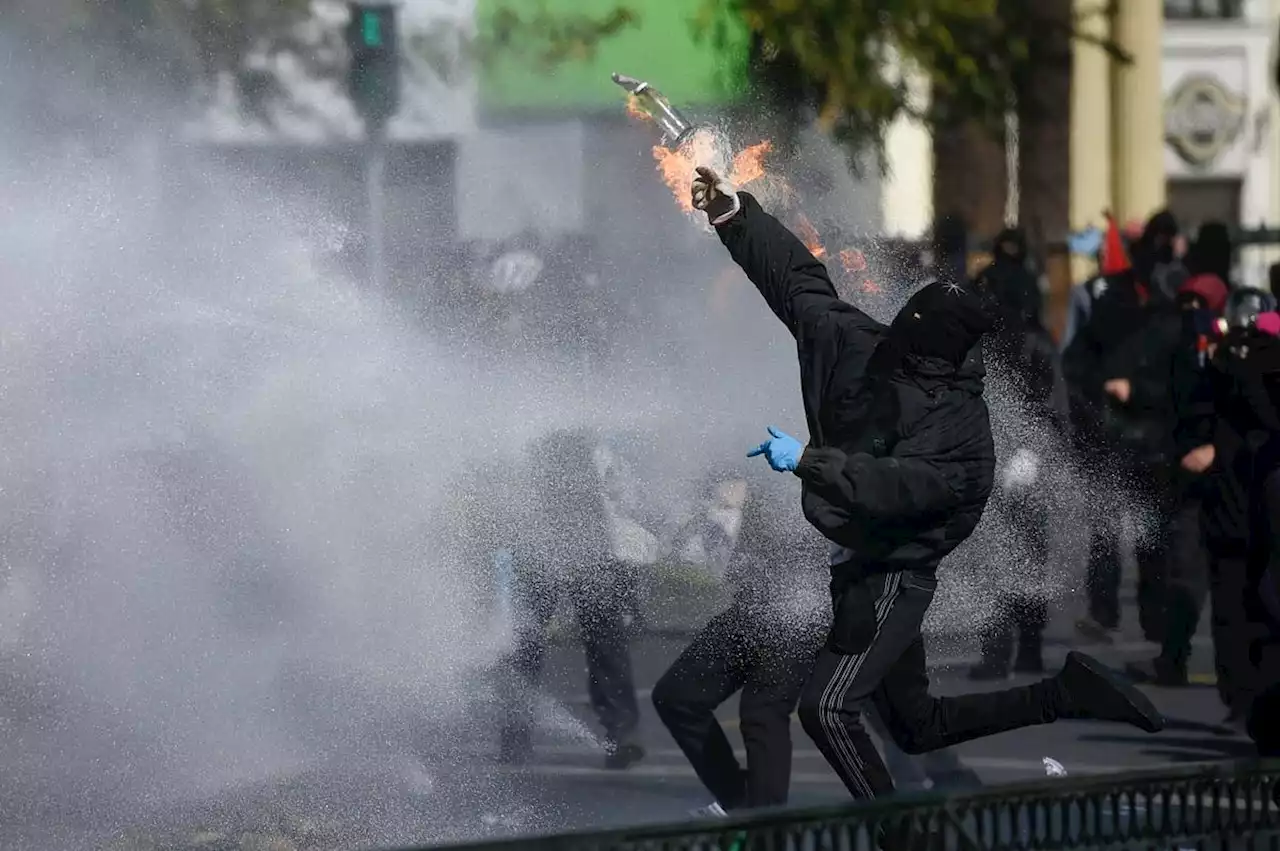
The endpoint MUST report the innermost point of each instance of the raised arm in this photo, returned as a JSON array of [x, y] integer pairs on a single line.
[[794, 283]]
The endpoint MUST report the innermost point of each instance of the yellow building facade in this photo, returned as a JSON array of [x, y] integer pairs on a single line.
[[1192, 123]]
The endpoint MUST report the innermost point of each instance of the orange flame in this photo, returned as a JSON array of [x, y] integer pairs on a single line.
[[809, 236], [748, 164], [853, 261], [634, 110], [677, 167]]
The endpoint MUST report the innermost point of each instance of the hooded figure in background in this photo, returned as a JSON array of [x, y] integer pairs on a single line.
[[1024, 352], [581, 550], [763, 645], [1121, 411], [1204, 527], [1155, 257], [1245, 374], [896, 474]]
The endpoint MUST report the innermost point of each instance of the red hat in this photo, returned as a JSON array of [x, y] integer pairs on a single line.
[[1115, 259], [1209, 288]]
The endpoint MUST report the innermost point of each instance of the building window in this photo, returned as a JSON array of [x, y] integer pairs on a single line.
[[1184, 9]]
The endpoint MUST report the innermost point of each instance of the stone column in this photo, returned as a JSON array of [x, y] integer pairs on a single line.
[[1138, 110], [1091, 141]]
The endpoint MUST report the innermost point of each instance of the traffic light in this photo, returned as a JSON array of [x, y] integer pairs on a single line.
[[373, 78]]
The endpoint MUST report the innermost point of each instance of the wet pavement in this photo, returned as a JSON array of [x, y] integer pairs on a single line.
[[430, 786]]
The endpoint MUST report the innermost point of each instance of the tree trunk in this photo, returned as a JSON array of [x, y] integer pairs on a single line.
[[970, 177], [1044, 146]]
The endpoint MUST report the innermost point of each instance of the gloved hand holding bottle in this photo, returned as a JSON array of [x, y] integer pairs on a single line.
[[714, 196], [782, 451]]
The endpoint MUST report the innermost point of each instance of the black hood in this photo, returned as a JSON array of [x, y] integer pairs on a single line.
[[1211, 253], [1010, 246], [943, 322], [1155, 246]]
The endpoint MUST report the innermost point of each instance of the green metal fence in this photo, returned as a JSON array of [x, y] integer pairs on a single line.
[[1223, 807]]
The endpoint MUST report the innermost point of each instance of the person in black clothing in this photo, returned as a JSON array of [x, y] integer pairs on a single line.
[[1245, 377], [896, 474], [1206, 532], [763, 645], [574, 555], [1121, 410], [1027, 356]]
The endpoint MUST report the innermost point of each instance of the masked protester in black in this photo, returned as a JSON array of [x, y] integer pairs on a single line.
[[763, 645], [1206, 533], [1116, 369], [896, 475], [1245, 376], [1026, 356]]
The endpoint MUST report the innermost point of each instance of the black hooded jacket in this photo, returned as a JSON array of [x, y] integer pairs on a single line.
[[1110, 345], [900, 458]]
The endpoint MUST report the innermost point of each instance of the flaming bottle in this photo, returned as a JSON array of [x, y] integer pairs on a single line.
[[676, 129]]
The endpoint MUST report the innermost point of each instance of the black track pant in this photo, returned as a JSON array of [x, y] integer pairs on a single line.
[[1196, 571], [600, 600], [890, 673], [769, 662], [1150, 552]]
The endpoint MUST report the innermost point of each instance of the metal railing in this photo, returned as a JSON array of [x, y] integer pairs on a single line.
[[1223, 807]]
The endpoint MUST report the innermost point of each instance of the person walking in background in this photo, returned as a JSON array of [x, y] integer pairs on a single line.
[[1199, 494], [1233, 407], [1119, 436], [763, 645], [576, 554], [896, 475], [1025, 352]]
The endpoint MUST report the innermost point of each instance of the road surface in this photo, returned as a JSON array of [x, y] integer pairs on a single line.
[[663, 787]]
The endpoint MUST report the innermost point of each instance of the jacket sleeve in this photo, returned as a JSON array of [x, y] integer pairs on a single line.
[[793, 282], [1194, 405], [901, 487]]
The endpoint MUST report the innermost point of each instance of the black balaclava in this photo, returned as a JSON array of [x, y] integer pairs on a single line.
[[1010, 247], [943, 321], [1155, 247], [1012, 285]]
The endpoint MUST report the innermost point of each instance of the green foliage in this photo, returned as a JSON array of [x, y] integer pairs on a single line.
[[843, 56], [548, 38]]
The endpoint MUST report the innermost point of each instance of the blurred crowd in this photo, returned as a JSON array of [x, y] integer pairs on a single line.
[[1171, 371], [1164, 390]]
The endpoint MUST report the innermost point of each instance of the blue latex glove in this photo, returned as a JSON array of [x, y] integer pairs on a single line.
[[1086, 243], [782, 452]]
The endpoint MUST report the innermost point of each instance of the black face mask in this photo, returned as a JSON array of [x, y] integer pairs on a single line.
[[944, 321]]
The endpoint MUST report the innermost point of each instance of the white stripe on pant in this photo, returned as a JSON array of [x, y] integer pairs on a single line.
[[833, 696]]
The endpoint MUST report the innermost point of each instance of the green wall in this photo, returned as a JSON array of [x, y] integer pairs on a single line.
[[661, 48]]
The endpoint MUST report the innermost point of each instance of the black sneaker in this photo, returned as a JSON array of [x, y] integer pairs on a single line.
[[1158, 672], [620, 757], [1090, 690]]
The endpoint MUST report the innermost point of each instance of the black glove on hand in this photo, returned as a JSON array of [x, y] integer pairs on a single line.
[[714, 196]]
